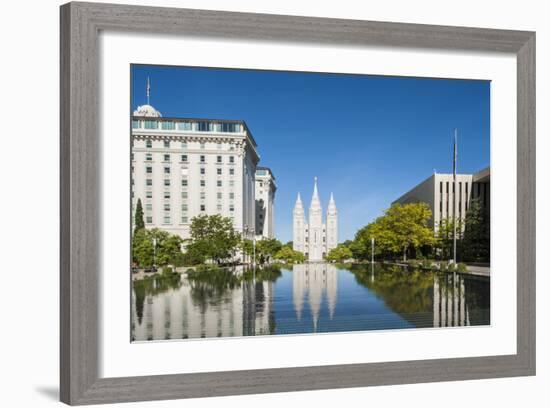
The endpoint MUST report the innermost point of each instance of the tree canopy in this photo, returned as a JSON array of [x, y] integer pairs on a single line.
[[213, 236], [339, 254], [138, 217], [402, 227]]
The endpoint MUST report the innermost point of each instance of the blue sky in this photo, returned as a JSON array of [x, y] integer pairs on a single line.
[[368, 139]]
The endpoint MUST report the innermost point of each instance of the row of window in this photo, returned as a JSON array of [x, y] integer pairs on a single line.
[[185, 195], [200, 126], [184, 158], [167, 170], [185, 208]]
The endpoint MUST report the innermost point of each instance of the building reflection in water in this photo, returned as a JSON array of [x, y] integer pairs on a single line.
[[189, 309], [311, 283], [449, 301]]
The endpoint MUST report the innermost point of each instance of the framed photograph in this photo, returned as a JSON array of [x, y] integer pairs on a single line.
[[261, 203]]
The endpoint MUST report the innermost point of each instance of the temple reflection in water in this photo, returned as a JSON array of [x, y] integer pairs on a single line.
[[304, 298]]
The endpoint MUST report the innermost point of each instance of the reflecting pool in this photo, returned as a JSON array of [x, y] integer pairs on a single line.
[[306, 298]]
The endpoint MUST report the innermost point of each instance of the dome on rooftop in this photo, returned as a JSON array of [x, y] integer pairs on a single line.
[[147, 111]]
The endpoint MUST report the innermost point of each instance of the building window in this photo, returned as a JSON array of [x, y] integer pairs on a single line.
[[219, 183], [148, 144], [203, 183], [184, 195], [231, 127], [231, 172], [167, 182], [149, 220], [149, 207], [231, 207], [184, 126], [231, 196], [149, 194], [148, 156], [203, 207], [204, 126], [135, 124], [219, 171], [184, 182], [167, 219], [219, 195], [167, 194], [166, 157], [203, 195], [184, 207], [166, 207], [203, 170], [218, 159], [184, 220], [203, 159], [148, 182], [441, 187], [148, 169], [168, 125], [231, 183], [219, 207], [202, 145], [447, 187], [184, 158], [151, 124], [231, 159], [167, 170], [167, 144]]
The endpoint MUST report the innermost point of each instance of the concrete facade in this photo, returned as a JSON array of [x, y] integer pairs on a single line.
[[438, 191]]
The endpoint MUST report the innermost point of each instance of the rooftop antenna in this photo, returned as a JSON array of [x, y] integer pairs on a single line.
[[148, 90]]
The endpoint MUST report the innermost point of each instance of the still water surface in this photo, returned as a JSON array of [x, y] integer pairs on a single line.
[[305, 298]]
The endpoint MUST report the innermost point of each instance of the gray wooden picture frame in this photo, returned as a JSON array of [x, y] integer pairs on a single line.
[[80, 237]]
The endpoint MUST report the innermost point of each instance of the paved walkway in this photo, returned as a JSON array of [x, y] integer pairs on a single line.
[[479, 270]]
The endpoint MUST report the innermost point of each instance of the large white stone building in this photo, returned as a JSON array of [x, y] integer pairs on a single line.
[[315, 238], [185, 167]]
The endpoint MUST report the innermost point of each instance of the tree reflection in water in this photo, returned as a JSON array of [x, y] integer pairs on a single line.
[[428, 299]]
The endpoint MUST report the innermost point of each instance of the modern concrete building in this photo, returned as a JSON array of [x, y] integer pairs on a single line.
[[265, 202], [439, 193], [315, 238], [185, 167]]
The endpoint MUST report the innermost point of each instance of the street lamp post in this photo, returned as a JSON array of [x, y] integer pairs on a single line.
[[372, 250]]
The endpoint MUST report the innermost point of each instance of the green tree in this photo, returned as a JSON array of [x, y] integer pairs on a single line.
[[213, 236], [400, 229], [142, 248], [138, 217], [339, 254], [445, 236], [155, 246], [476, 240], [289, 255], [266, 249]]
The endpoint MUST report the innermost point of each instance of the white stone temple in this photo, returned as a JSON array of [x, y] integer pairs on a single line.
[[315, 238]]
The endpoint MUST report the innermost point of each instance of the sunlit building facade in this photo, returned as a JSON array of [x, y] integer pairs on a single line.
[[185, 167]]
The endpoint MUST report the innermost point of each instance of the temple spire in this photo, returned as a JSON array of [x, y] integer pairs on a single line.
[[315, 192]]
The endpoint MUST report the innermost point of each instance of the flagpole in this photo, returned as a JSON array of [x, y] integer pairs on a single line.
[[454, 198]]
